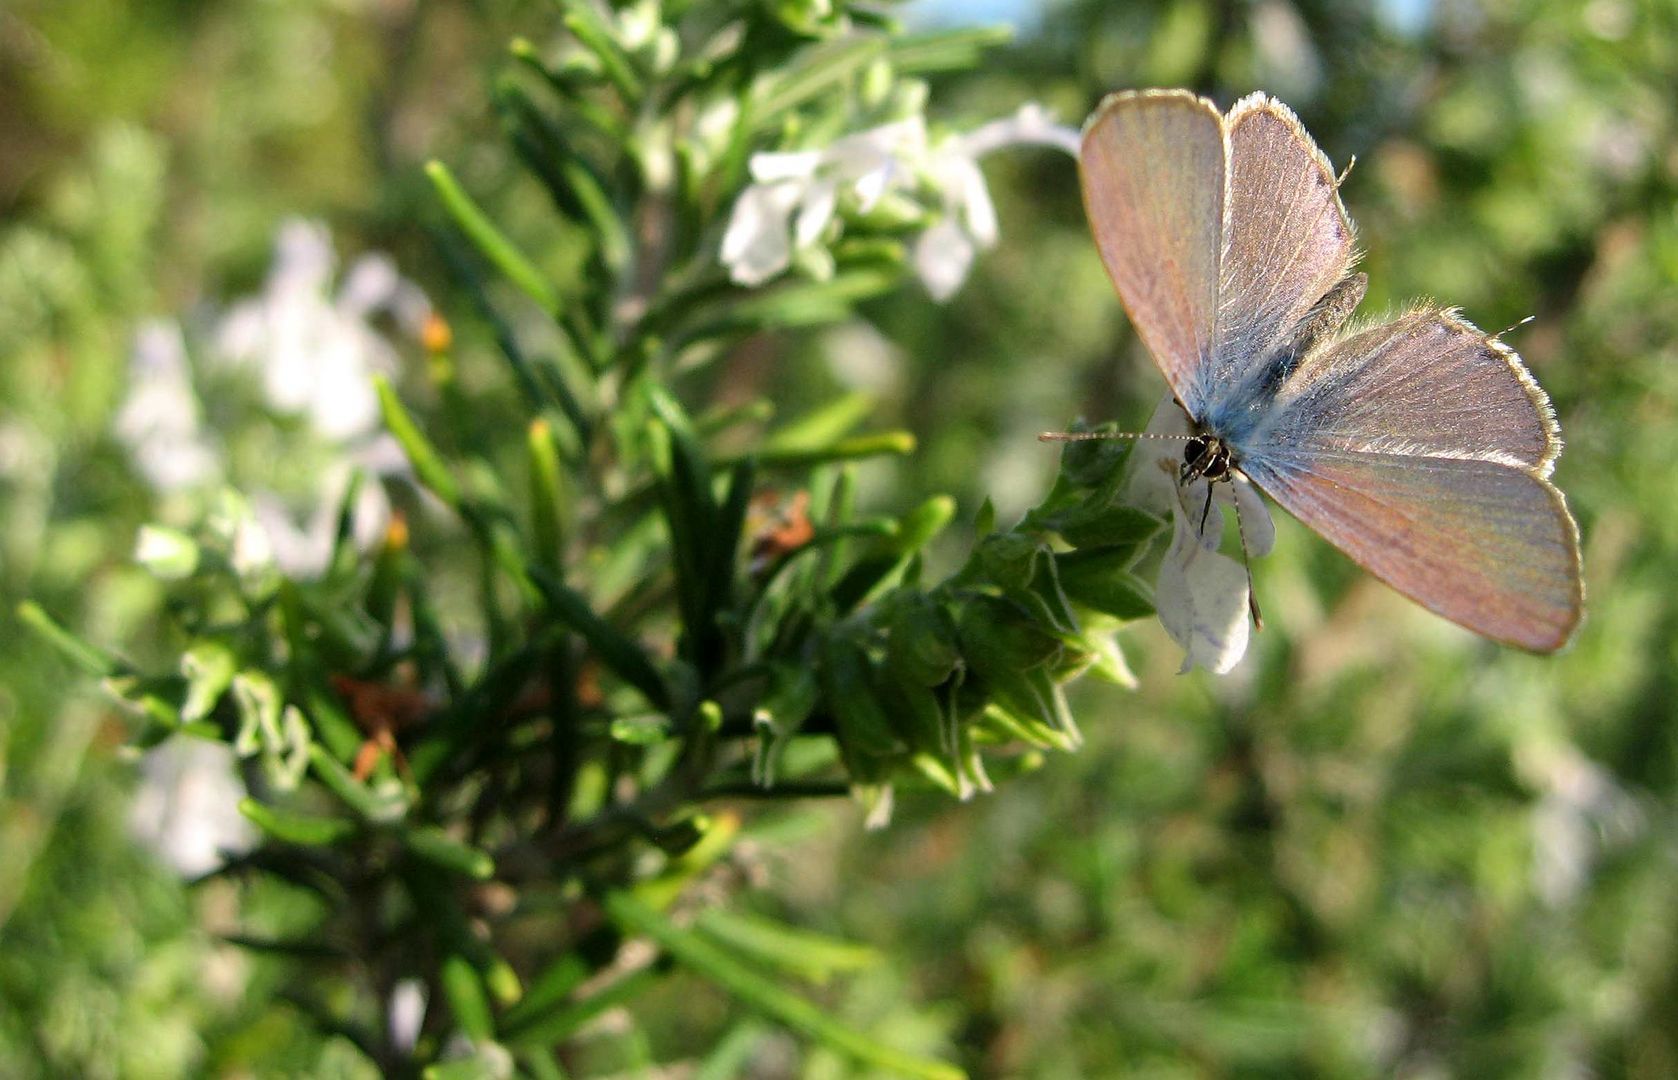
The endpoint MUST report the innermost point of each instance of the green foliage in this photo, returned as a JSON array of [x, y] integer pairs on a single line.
[[651, 642]]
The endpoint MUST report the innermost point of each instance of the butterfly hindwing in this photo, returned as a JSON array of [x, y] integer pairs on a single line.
[[1486, 545], [1426, 383]]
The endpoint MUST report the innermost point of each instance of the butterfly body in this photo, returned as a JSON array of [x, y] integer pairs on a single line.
[[1419, 445]]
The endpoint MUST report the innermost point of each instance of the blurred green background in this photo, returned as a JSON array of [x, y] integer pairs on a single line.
[[1380, 846]]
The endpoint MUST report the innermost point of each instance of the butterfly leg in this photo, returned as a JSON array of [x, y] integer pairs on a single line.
[[1247, 564]]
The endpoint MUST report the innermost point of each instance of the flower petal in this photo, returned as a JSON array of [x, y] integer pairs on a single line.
[[1201, 597], [773, 168], [161, 420], [966, 190], [820, 201], [872, 185], [252, 552], [186, 808], [303, 258], [342, 404], [405, 1014], [1031, 124], [943, 254], [369, 285], [1202, 508], [757, 244], [299, 552], [1155, 463], [855, 156]]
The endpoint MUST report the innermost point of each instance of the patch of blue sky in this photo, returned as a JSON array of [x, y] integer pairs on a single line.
[[1022, 15], [1408, 17]]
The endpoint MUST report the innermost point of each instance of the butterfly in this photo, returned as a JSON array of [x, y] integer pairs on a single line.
[[1420, 446]]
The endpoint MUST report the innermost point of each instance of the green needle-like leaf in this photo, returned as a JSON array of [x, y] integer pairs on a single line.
[[464, 988], [427, 462], [297, 828], [490, 240], [951, 50], [816, 71], [85, 655], [590, 27], [549, 501], [616, 650], [714, 962], [442, 850], [812, 956]]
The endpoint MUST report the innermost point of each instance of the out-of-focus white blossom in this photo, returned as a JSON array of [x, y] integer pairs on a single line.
[[406, 1014], [301, 548], [1580, 812], [314, 348], [1201, 594], [161, 420], [795, 196], [187, 806], [24, 451]]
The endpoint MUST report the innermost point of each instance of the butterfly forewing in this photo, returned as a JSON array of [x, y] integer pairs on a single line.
[[1153, 176], [1420, 448], [1287, 239]]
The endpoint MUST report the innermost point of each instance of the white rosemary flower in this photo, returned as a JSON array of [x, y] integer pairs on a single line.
[[161, 421], [315, 349], [187, 806], [312, 345], [944, 252], [300, 546], [796, 195]]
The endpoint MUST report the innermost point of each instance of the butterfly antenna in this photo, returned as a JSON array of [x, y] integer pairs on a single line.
[[1347, 171], [1247, 565], [1087, 436], [1510, 330]]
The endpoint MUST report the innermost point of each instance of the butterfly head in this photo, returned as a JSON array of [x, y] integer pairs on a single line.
[[1206, 457]]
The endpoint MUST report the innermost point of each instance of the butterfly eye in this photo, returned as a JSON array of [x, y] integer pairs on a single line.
[[1193, 451]]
